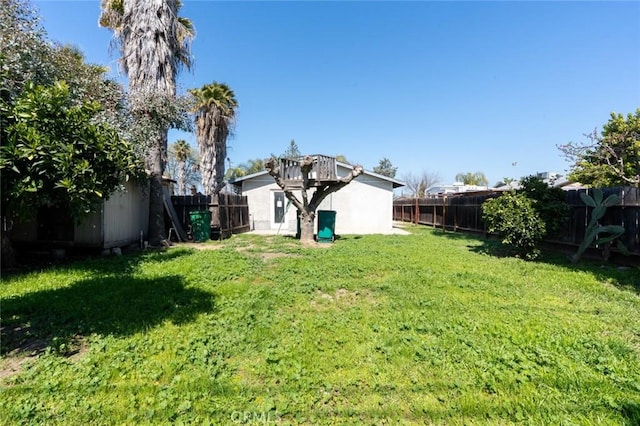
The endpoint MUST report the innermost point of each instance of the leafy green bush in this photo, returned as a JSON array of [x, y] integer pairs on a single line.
[[513, 217], [54, 155], [549, 202]]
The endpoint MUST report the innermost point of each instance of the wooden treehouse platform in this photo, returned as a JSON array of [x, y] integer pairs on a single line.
[[322, 170]]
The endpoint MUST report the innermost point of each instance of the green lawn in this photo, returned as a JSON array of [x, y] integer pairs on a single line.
[[431, 328]]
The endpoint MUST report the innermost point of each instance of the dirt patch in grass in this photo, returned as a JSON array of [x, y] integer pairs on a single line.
[[197, 246], [11, 366], [270, 253], [270, 256], [341, 298], [25, 347]]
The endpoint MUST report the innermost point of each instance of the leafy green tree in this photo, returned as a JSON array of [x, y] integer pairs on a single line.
[[154, 44], [477, 178], [523, 218], [513, 217], [87, 82], [25, 53], [27, 57], [385, 168], [611, 158], [292, 151], [54, 154], [215, 112]]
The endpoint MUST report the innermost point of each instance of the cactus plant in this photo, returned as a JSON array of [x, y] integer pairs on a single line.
[[594, 229]]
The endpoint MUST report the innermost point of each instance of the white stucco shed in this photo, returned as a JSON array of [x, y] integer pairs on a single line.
[[364, 206]]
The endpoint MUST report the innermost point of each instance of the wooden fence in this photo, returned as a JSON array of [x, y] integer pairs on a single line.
[[229, 213], [463, 212]]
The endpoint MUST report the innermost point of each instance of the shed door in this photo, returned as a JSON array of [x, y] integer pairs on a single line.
[[278, 205]]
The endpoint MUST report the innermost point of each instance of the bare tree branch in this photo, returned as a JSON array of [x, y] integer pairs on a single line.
[[272, 166]]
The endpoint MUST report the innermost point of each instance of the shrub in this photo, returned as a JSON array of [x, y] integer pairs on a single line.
[[513, 217], [549, 202]]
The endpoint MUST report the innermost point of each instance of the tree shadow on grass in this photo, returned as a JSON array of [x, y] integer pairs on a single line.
[[620, 276], [116, 305], [90, 260], [631, 412]]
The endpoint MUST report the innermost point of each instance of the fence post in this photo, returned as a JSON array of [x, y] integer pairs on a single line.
[[444, 213], [455, 217]]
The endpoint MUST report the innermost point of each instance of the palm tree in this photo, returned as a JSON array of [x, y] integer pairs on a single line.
[[182, 165], [236, 172], [254, 166], [215, 109], [477, 178], [244, 169], [154, 45], [182, 150]]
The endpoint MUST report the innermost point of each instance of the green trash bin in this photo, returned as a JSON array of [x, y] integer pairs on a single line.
[[326, 226], [200, 225]]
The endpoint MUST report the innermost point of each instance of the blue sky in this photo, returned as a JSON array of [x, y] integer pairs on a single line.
[[443, 87]]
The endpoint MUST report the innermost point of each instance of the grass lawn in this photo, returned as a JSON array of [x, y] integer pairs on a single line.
[[430, 328]]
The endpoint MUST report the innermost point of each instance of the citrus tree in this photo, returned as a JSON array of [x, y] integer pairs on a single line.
[[54, 155]]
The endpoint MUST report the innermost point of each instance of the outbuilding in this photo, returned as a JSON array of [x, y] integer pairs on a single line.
[[364, 206], [121, 220]]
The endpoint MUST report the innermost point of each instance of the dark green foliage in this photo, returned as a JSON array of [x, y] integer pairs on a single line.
[[524, 218], [549, 202], [292, 150], [385, 168], [514, 218], [24, 55], [55, 156]]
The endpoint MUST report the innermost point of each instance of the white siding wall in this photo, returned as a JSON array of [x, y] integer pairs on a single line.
[[362, 207], [119, 222], [259, 192], [126, 213]]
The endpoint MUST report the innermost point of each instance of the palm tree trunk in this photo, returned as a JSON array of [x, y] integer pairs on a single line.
[[182, 175], [220, 157], [207, 168]]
